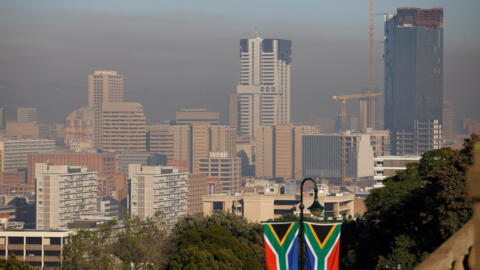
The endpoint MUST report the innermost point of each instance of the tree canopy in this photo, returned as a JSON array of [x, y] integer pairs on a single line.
[[417, 210]]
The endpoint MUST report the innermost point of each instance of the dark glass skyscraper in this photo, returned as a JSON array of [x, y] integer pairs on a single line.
[[413, 76]]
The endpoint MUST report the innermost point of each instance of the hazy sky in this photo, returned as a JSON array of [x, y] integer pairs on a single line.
[[186, 53]]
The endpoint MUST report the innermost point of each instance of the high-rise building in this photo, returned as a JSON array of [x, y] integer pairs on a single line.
[[79, 129], [426, 135], [322, 156], [233, 110], [278, 150], [157, 188], [182, 144], [63, 193], [13, 153], [26, 114], [448, 123], [173, 141], [224, 167], [264, 89], [123, 127], [200, 144], [192, 115], [104, 86], [264, 155], [160, 139], [413, 70], [223, 139]]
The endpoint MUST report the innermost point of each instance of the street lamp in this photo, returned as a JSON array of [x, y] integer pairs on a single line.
[[316, 209]]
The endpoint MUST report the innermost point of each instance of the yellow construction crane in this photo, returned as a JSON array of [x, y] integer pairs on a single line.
[[343, 101]]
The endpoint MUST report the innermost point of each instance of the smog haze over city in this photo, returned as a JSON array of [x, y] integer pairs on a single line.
[[254, 134], [177, 54]]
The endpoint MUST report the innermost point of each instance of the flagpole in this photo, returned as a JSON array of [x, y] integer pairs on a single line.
[[315, 209]]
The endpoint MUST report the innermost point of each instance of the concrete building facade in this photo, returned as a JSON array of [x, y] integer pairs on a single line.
[[123, 127], [264, 89], [386, 166], [80, 128], [14, 153], [262, 207], [191, 115], [104, 164], [322, 156], [158, 188], [224, 167], [104, 86], [198, 186], [26, 114], [41, 249], [63, 193], [278, 150]]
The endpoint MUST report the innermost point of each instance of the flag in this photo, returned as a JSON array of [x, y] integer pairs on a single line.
[[281, 245], [322, 245]]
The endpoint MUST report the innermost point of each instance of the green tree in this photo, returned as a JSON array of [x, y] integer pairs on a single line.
[[403, 253], [215, 242], [13, 264], [140, 243], [416, 211], [235, 232], [90, 249]]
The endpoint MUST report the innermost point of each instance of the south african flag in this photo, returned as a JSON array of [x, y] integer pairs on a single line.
[[281, 245], [322, 245]]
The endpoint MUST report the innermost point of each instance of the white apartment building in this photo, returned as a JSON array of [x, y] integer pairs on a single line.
[[157, 188], [14, 153], [264, 88], [63, 193], [386, 166]]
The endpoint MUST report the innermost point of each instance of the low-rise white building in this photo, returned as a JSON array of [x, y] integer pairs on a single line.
[[38, 248], [386, 166]]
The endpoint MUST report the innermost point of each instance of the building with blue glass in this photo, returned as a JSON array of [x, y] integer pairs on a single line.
[[413, 59]]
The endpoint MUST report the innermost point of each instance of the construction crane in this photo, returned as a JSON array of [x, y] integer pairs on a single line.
[[343, 100]]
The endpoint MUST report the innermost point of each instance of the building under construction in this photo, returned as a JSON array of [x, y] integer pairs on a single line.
[[413, 59]]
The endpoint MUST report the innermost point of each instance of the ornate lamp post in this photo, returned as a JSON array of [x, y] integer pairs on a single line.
[[316, 209]]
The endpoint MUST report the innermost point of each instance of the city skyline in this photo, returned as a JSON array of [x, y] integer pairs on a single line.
[[160, 72]]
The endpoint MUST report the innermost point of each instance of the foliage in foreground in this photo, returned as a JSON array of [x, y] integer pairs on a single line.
[[220, 241], [416, 211], [14, 264]]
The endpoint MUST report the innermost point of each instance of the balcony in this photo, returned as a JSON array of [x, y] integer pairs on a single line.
[[33, 258], [52, 247], [33, 247], [15, 246]]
